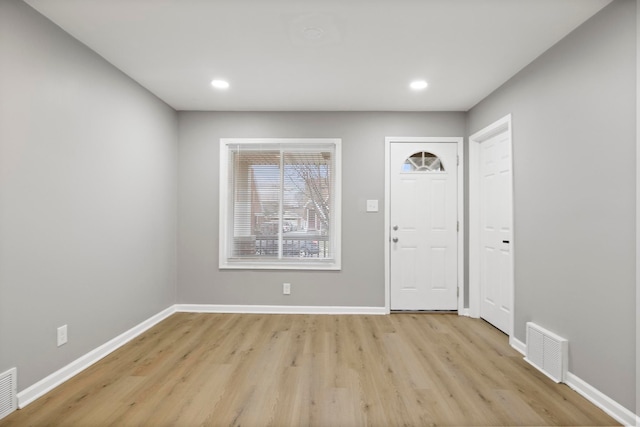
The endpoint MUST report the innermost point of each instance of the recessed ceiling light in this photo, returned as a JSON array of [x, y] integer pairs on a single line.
[[220, 84], [418, 85]]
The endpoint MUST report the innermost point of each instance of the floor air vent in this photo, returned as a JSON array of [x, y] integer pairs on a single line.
[[547, 352], [8, 390]]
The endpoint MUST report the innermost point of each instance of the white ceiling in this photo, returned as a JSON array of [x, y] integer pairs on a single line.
[[313, 55]]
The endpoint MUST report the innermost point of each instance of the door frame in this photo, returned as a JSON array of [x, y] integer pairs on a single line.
[[496, 128], [387, 212]]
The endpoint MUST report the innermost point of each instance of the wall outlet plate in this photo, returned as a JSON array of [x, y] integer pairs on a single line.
[[62, 335], [286, 288], [372, 206]]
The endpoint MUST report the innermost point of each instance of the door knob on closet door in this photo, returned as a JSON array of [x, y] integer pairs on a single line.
[[395, 240]]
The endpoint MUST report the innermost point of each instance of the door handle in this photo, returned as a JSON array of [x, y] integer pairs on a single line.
[[505, 241], [395, 227], [395, 240]]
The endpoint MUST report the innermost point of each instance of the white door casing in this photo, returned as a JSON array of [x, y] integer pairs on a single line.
[[491, 225], [422, 213]]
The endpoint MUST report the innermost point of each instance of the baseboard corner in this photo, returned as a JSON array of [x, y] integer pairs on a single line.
[[518, 345]]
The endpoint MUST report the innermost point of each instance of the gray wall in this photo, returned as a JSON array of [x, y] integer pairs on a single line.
[[361, 280], [87, 197], [574, 184]]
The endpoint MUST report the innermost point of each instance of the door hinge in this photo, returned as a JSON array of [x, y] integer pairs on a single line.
[[458, 292], [457, 160], [458, 226]]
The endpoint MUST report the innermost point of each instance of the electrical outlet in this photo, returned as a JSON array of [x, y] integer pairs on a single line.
[[286, 288], [62, 335]]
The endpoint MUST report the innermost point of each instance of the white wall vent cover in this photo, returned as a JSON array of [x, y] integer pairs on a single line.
[[8, 392], [547, 351]]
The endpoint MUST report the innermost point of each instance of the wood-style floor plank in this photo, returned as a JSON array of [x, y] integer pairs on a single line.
[[312, 370]]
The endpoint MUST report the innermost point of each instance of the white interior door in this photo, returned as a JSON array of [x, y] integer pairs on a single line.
[[423, 219], [495, 235]]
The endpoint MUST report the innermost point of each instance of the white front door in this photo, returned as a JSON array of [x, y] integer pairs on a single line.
[[423, 220], [496, 231]]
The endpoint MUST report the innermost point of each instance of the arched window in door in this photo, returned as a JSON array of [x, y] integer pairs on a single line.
[[423, 161]]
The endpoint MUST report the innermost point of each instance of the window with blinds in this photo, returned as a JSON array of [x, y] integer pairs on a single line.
[[280, 203]]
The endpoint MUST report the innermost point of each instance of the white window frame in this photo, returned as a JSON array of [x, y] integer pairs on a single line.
[[226, 262]]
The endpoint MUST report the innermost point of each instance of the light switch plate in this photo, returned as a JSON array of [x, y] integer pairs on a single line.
[[372, 206]]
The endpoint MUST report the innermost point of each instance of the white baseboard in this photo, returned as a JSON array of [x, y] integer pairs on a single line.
[[602, 401], [518, 345], [464, 312], [45, 385], [48, 383], [277, 309]]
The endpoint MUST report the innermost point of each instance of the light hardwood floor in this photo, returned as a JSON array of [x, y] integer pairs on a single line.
[[320, 370]]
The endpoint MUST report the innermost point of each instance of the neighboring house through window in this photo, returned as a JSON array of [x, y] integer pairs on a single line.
[[280, 203]]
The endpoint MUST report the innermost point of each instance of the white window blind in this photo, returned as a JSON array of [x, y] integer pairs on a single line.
[[280, 203]]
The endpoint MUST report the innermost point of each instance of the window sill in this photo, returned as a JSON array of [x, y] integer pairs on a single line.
[[328, 265]]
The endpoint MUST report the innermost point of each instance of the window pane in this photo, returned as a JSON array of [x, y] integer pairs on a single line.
[[423, 162], [255, 199], [307, 202]]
